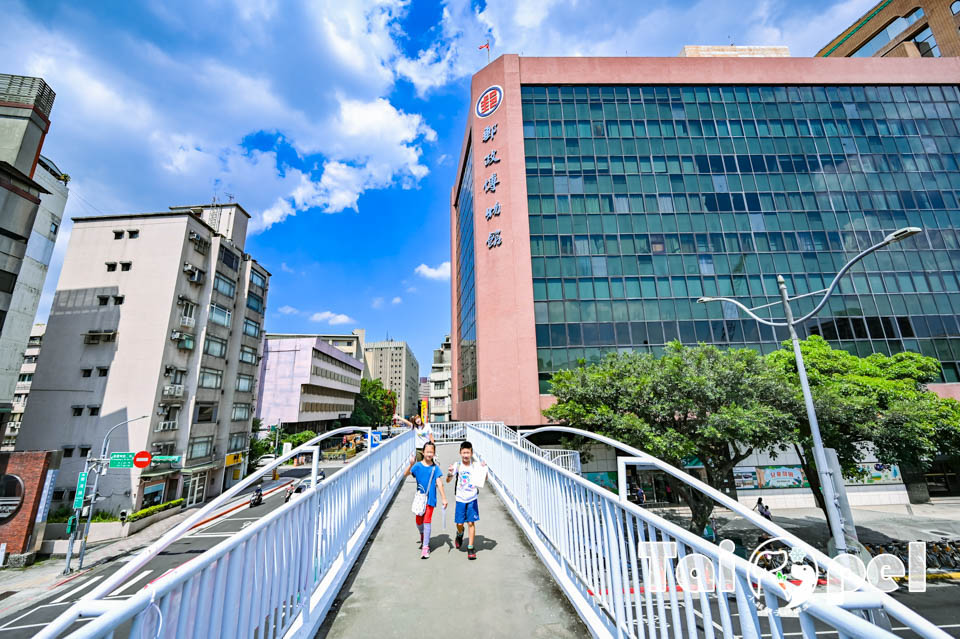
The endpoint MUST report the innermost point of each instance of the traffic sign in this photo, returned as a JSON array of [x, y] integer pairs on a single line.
[[121, 460], [142, 459], [81, 490], [173, 459]]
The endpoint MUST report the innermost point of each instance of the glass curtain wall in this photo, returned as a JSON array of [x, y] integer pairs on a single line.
[[642, 199]]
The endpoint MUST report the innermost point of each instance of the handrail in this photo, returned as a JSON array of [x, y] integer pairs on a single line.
[[895, 608], [541, 499], [147, 554]]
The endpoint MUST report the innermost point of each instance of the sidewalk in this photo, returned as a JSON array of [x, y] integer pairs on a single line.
[[506, 592]]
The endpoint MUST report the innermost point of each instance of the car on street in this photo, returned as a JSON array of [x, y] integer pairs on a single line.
[[266, 460]]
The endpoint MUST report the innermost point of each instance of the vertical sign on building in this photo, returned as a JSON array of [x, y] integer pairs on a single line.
[[423, 410], [487, 105]]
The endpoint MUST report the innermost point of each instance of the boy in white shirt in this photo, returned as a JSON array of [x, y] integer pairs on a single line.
[[469, 474]]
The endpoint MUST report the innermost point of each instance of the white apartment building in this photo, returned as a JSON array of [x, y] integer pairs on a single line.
[[394, 364], [441, 386], [22, 391], [306, 383], [156, 316]]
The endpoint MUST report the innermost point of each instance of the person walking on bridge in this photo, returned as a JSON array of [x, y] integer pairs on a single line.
[[421, 431], [429, 479], [470, 477]]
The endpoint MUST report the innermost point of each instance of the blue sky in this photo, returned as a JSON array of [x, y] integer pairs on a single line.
[[335, 123]]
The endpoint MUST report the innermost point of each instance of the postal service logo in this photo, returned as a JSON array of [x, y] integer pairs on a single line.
[[489, 101]]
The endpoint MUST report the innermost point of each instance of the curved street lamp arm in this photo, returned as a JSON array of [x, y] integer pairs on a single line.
[[836, 280], [745, 310]]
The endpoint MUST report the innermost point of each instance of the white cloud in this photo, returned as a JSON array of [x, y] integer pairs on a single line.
[[440, 272], [285, 268], [396, 300], [288, 310], [331, 318], [377, 302], [552, 28], [411, 289]]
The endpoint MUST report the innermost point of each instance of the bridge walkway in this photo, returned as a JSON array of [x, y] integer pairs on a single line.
[[506, 592]]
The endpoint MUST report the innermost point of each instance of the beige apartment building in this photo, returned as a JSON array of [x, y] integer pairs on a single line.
[[352, 345], [157, 318], [393, 363], [441, 384]]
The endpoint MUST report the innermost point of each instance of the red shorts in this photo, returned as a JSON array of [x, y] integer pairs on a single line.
[[426, 517]]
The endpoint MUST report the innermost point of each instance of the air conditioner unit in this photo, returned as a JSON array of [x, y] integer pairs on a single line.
[[194, 235], [188, 267], [176, 335]]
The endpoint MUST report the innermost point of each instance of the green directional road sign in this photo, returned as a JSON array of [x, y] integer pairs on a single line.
[[173, 459], [81, 490], [121, 460]]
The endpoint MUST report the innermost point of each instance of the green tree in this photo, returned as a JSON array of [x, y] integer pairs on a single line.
[[299, 439], [718, 406], [374, 406], [877, 404]]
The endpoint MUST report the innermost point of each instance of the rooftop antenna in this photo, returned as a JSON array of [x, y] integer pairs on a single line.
[[731, 41], [230, 197]]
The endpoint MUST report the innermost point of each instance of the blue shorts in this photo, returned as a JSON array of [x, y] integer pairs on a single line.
[[467, 512]]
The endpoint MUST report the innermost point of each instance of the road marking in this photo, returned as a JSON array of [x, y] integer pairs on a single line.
[[130, 583], [246, 524], [213, 535], [30, 612], [40, 625], [82, 586]]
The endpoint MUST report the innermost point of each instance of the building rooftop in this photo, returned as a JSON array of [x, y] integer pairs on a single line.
[[28, 91]]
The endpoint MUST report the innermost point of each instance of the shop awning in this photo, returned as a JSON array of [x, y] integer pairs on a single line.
[[198, 469], [152, 474]]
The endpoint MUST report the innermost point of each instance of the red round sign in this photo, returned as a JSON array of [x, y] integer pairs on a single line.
[[142, 459]]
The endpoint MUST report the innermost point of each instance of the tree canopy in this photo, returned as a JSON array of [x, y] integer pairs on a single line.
[[374, 406], [715, 405], [876, 405]]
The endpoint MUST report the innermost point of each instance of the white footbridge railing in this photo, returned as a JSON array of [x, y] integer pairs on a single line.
[[279, 577], [276, 578], [594, 544]]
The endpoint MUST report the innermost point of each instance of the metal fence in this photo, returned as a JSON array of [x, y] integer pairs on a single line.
[[591, 542], [275, 578], [568, 459]]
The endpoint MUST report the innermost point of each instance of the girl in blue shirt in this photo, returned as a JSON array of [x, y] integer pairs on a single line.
[[429, 479]]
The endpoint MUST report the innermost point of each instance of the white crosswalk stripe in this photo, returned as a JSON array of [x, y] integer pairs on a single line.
[[83, 586], [129, 584]]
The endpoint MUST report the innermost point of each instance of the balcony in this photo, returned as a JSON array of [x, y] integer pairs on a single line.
[[173, 390], [165, 426], [23, 387], [187, 322]]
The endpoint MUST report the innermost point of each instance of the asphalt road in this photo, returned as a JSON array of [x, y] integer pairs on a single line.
[[27, 623]]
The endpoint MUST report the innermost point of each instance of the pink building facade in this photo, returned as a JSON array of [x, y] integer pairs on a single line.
[[496, 372]]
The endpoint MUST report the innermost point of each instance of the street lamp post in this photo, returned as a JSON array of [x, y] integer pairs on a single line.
[[831, 499], [99, 467]]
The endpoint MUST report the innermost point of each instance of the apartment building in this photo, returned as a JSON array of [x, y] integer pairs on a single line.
[[393, 363], [25, 247], [441, 386], [351, 344], [22, 391], [306, 383], [157, 320]]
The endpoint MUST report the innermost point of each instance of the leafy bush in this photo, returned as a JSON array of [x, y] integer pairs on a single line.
[[103, 516], [60, 515], [153, 510]]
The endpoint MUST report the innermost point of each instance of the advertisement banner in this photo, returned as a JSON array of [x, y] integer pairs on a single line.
[[423, 410], [877, 474], [781, 477], [745, 478]]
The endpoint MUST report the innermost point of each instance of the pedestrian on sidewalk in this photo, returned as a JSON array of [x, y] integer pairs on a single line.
[[467, 493], [421, 431], [762, 509], [429, 480]]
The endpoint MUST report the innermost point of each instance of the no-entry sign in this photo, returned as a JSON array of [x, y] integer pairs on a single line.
[[142, 459]]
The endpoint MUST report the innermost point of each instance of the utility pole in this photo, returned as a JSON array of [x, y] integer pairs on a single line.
[[99, 467]]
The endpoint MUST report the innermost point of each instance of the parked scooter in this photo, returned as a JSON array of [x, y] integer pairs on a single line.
[[257, 498]]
